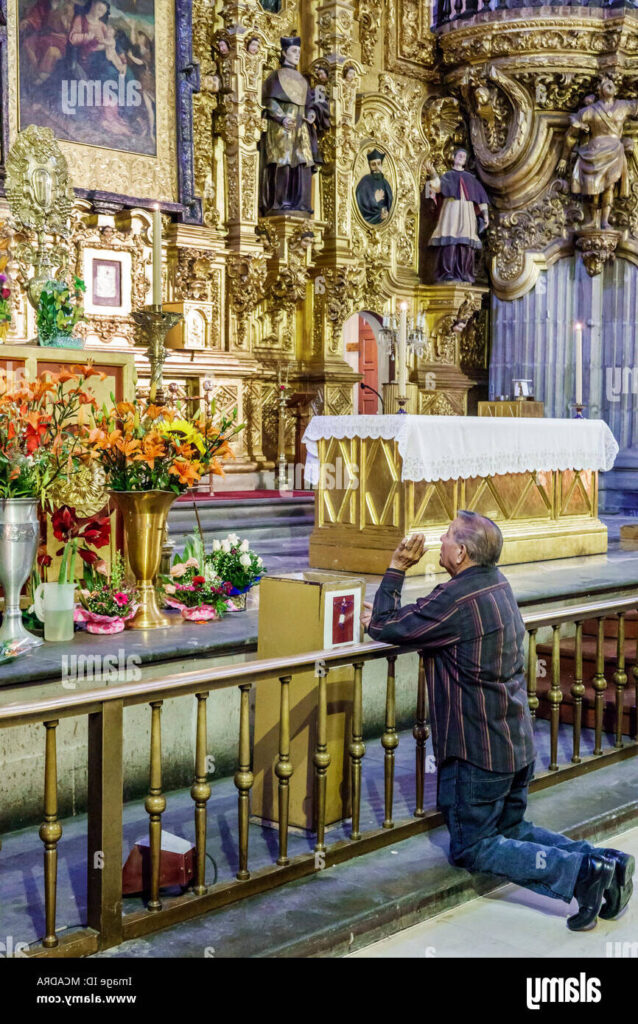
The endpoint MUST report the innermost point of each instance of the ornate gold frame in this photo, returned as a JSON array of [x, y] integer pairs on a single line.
[[108, 170]]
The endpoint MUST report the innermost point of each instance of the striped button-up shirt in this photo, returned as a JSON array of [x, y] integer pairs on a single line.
[[471, 632]]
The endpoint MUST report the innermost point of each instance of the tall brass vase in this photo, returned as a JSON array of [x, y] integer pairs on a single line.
[[145, 515]]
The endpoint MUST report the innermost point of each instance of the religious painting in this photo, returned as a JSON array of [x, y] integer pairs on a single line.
[[101, 75], [108, 274], [341, 618], [87, 70], [274, 6], [106, 281], [374, 193]]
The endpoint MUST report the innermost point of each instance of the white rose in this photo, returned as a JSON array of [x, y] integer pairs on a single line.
[[245, 561], [244, 546], [233, 539], [217, 545], [260, 561], [226, 546]]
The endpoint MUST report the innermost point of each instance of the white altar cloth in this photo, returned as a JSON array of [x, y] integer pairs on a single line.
[[453, 447]]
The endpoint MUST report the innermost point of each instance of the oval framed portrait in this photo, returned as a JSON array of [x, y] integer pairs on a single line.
[[375, 186]]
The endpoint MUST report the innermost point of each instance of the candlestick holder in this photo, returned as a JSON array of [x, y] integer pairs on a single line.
[[578, 411], [402, 401], [154, 324], [282, 466]]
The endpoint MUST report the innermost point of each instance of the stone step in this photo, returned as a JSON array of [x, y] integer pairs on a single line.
[[278, 530]]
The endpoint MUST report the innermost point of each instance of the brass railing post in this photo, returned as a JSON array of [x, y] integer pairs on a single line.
[[620, 679], [104, 826], [283, 768], [389, 740], [357, 749], [532, 672], [577, 691], [50, 834], [200, 792], [244, 779], [321, 757], [155, 805], [555, 696], [420, 732], [599, 684]]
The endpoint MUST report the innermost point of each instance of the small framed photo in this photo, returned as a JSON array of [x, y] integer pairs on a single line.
[[523, 388], [106, 277]]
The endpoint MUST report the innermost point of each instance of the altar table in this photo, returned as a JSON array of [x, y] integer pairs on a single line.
[[381, 478]]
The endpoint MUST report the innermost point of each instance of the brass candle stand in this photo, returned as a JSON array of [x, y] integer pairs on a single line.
[[154, 324]]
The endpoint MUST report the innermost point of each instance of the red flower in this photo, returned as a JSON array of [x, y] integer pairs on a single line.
[[44, 560], [96, 531], [199, 580], [90, 557], [65, 523]]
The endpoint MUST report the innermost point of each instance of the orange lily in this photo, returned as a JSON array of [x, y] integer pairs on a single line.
[[186, 472]]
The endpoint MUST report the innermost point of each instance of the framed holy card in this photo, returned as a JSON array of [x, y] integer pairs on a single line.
[[102, 75]]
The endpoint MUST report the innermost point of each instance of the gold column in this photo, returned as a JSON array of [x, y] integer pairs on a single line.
[[155, 805], [420, 732], [50, 834], [200, 792], [244, 780], [555, 696], [389, 740], [532, 699], [357, 749], [600, 685], [321, 760], [284, 769], [620, 678], [577, 691]]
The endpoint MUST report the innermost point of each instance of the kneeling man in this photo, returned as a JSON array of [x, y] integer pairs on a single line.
[[472, 636]]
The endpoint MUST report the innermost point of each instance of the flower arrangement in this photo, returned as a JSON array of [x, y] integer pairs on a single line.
[[193, 586], [59, 309], [145, 447], [5, 295], [234, 563], [40, 432], [76, 533], [107, 600]]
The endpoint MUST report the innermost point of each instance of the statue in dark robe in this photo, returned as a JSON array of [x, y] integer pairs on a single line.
[[374, 195], [462, 207], [294, 114]]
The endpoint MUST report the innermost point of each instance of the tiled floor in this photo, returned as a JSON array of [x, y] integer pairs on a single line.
[[514, 922]]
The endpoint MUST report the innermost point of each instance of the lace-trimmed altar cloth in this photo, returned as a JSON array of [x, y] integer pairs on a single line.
[[453, 447]]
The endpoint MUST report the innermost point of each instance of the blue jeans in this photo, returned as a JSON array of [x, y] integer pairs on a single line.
[[484, 812]]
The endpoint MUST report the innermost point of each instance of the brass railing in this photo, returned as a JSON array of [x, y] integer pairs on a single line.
[[106, 924]]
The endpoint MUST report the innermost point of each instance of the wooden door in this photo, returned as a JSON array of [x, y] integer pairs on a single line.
[[369, 367]]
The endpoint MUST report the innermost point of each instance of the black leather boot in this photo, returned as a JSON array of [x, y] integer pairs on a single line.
[[594, 878], [619, 893]]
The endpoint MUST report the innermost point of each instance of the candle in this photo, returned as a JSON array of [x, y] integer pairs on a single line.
[[157, 256], [578, 345], [403, 354]]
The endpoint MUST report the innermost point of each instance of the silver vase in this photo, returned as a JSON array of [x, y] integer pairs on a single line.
[[19, 537]]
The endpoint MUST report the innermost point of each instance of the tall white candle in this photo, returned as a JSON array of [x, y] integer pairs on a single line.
[[157, 256], [403, 351], [578, 359]]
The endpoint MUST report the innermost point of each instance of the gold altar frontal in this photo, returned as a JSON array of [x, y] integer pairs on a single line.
[[542, 514]]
